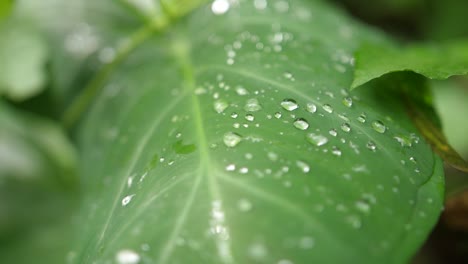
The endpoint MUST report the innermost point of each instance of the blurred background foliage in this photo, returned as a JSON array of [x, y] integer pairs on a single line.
[[39, 187]]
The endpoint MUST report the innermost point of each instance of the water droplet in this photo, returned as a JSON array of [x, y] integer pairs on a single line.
[[347, 101], [278, 115], [231, 139], [379, 126], [252, 105], [220, 105], [362, 118], [260, 4], [127, 199], [312, 108], [333, 132], [289, 104], [317, 140], [288, 75], [220, 7], [371, 145], [249, 117], [306, 242], [285, 261], [362, 206], [345, 127], [241, 90], [301, 124], [328, 108], [127, 256], [404, 141], [303, 166], [244, 205], [244, 170], [234, 115], [272, 156], [231, 167], [354, 221], [336, 151]]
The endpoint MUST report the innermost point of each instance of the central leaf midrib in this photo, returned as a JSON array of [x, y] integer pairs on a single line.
[[183, 58]]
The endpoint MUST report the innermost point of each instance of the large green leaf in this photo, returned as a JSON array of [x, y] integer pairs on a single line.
[[232, 138]]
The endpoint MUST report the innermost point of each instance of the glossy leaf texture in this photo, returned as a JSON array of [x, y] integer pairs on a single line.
[[232, 138]]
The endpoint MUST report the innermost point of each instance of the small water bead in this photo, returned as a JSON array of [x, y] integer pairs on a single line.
[[404, 141], [220, 105], [234, 115], [301, 124], [285, 261], [127, 199], [361, 118], [244, 205], [236, 125], [249, 117], [328, 108], [347, 101], [278, 115], [289, 104], [231, 167], [241, 90], [231, 139], [354, 221], [219, 7], [362, 206], [379, 127], [333, 132], [336, 151], [288, 75], [272, 156], [260, 4], [317, 140], [345, 127], [127, 256], [257, 251], [244, 170], [371, 145], [311, 108], [305, 168], [252, 105]]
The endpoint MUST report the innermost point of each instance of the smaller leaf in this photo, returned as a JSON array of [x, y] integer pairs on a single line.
[[23, 53], [434, 61]]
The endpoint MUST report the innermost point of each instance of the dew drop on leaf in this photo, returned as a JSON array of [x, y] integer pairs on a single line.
[[311, 108], [127, 199], [354, 221], [219, 7], [371, 145], [220, 105], [305, 168], [362, 206], [289, 104], [347, 101], [231, 139], [249, 117], [361, 118], [252, 105], [317, 140], [379, 126], [333, 132], [328, 108], [234, 115], [231, 167], [278, 115], [336, 151], [404, 141], [127, 256], [241, 90], [301, 124], [345, 127]]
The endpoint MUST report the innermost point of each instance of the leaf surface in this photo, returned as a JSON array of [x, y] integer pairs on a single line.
[[232, 138]]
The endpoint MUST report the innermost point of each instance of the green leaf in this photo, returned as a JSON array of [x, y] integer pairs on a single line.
[[231, 138], [23, 54], [5, 8], [434, 61]]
